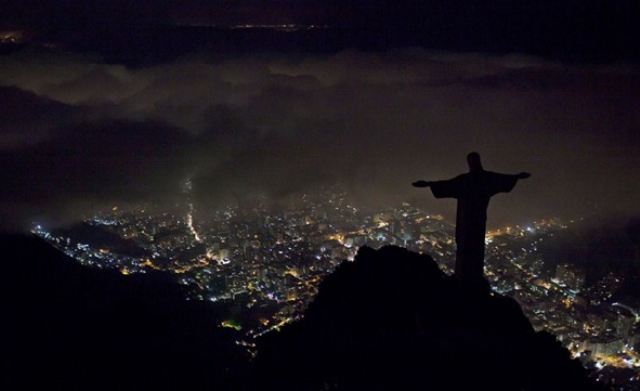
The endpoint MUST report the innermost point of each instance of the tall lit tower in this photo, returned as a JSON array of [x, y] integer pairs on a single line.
[[187, 190]]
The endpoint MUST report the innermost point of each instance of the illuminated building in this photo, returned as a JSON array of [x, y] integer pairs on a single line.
[[570, 276]]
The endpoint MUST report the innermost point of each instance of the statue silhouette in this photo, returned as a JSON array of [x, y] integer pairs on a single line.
[[473, 191]]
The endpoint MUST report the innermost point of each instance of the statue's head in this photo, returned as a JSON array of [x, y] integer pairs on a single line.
[[473, 159]]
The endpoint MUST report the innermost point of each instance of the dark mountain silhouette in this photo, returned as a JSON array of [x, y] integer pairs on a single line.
[[391, 320], [65, 326]]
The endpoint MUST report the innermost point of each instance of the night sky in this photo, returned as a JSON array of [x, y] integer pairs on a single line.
[[109, 103]]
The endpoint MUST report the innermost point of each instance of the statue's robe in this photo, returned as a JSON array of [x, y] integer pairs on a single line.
[[473, 191]]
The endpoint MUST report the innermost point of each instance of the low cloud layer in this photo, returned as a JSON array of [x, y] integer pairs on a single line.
[[77, 135]]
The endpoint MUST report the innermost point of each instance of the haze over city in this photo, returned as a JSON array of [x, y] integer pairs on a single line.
[[96, 114], [78, 134]]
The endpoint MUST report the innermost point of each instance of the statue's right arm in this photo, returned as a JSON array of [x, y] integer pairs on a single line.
[[421, 184]]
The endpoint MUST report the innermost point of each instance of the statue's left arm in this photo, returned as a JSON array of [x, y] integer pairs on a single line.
[[504, 183]]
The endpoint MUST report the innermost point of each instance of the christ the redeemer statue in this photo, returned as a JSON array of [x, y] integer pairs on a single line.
[[473, 191]]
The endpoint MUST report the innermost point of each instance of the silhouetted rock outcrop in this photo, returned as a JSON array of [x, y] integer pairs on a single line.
[[391, 320], [68, 327]]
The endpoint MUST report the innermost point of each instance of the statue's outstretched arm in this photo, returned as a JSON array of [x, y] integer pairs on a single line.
[[421, 184], [523, 175]]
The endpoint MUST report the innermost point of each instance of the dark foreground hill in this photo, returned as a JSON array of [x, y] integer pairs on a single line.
[[68, 327], [391, 320]]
